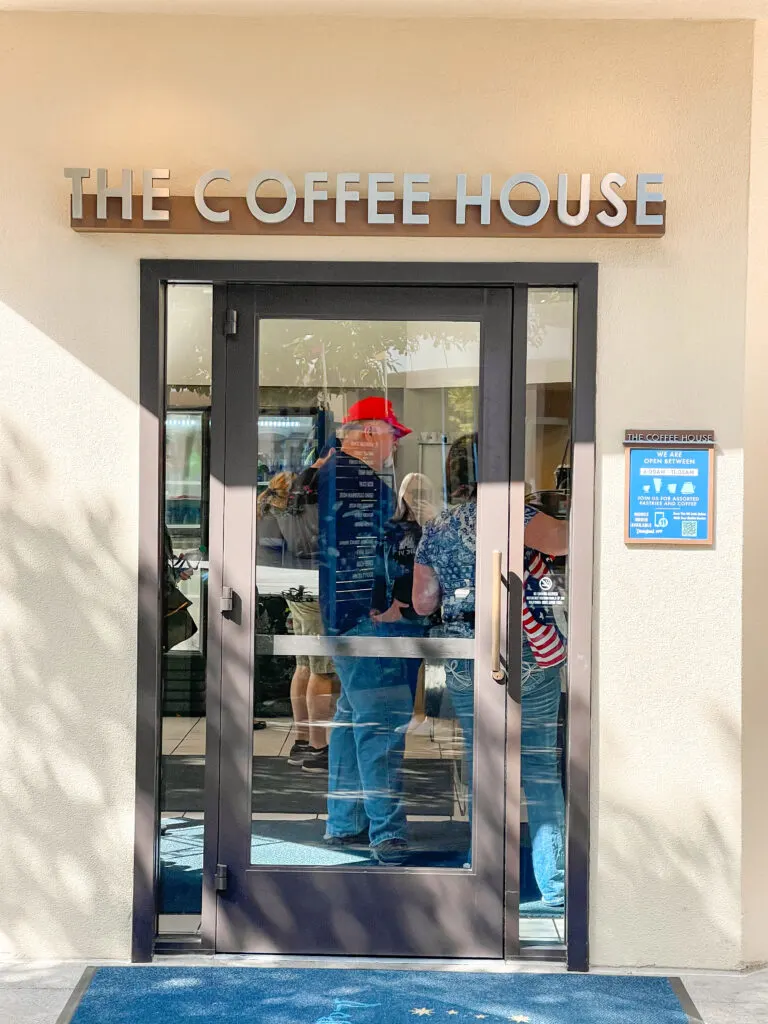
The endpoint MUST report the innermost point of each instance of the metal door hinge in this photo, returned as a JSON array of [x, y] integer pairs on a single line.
[[220, 878], [230, 323], [227, 599]]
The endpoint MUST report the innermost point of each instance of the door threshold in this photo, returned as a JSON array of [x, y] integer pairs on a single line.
[[530, 961], [542, 953], [179, 945]]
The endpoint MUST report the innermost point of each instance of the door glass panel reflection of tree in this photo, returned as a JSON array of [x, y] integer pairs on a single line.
[[363, 755], [185, 592], [548, 425]]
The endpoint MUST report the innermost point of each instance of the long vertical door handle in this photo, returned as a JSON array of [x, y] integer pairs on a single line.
[[496, 670]]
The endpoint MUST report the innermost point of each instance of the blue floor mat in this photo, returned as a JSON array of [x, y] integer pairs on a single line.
[[235, 995]]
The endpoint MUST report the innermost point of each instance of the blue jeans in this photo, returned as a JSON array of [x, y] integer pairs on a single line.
[[540, 771], [365, 781], [460, 683], [540, 768]]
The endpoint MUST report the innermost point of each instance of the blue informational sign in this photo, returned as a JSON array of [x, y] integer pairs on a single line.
[[669, 495]]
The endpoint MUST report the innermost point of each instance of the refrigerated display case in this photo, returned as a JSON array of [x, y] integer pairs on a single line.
[[289, 440], [187, 446]]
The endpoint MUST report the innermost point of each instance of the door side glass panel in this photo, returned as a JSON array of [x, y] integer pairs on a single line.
[[365, 527], [549, 403], [185, 568]]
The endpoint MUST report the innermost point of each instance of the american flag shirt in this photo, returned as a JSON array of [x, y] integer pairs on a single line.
[[545, 640]]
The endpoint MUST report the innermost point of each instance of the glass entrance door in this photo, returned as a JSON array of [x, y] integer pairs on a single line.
[[368, 720]]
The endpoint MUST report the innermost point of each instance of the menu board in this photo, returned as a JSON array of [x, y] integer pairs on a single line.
[[356, 503]]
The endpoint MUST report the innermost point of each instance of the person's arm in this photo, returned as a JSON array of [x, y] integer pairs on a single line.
[[393, 614], [546, 534], [425, 597]]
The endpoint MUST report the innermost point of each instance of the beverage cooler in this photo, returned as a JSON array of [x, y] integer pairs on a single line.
[[187, 447]]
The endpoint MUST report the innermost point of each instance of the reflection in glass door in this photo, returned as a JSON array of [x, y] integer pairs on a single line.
[[417, 383], [366, 529], [185, 526], [367, 491], [544, 639]]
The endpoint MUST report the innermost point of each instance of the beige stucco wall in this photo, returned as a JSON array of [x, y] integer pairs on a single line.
[[445, 97], [755, 693]]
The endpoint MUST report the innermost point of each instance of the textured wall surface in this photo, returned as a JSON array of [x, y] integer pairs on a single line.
[[447, 97], [755, 696], [646, 9]]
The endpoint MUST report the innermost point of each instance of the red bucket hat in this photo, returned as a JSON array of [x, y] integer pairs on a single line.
[[376, 409]]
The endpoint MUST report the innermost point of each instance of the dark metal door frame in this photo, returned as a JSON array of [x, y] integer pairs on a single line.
[[155, 275], [264, 909]]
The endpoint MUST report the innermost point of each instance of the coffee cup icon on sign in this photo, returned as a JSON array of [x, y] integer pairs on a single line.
[[660, 521], [672, 488]]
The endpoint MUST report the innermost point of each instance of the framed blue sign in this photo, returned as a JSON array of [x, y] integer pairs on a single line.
[[669, 494]]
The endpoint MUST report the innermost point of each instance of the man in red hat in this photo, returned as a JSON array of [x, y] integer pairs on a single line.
[[371, 431], [356, 501]]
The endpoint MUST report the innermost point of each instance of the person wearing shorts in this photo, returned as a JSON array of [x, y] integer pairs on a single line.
[[313, 690], [314, 682]]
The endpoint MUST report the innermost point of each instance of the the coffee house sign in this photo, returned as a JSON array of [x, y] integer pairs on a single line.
[[352, 202]]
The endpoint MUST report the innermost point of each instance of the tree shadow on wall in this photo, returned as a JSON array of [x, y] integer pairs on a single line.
[[67, 768], [68, 643], [668, 894]]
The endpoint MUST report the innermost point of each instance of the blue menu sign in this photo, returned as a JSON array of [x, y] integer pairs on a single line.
[[669, 494]]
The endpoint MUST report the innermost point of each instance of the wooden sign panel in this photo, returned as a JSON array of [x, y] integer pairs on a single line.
[[186, 220]]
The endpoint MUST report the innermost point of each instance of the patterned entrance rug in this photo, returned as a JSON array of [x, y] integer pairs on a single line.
[[252, 995]]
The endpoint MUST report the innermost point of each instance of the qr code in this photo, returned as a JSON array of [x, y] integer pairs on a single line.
[[690, 528]]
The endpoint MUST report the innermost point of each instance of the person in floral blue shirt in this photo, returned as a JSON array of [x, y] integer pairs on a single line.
[[444, 578]]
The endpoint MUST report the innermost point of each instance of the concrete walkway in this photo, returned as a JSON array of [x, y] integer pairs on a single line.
[[34, 992], [729, 998]]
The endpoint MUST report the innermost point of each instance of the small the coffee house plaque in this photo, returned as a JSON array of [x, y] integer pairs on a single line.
[[669, 487]]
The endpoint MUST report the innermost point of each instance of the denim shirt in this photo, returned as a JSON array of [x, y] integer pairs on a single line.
[[355, 503]]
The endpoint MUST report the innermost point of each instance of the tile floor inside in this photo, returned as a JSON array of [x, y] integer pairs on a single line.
[[186, 736], [436, 740]]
